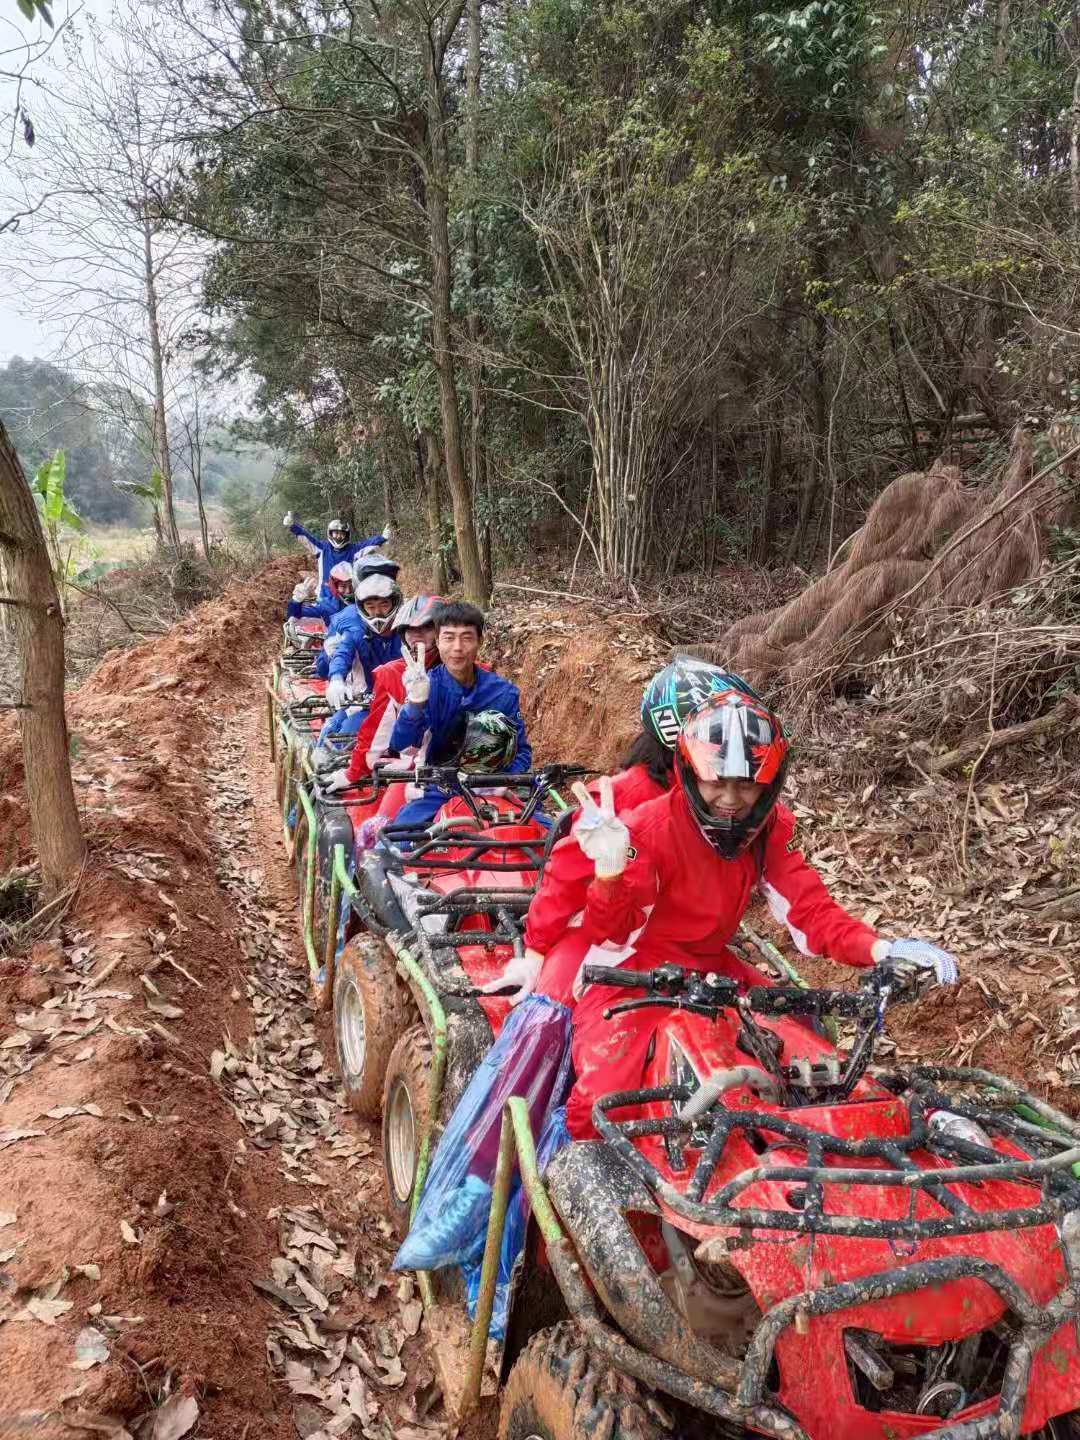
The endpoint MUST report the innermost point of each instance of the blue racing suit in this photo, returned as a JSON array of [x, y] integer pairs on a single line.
[[328, 555], [445, 703], [324, 610], [359, 642]]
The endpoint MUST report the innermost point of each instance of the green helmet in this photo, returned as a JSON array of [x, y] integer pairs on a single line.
[[488, 743], [676, 692]]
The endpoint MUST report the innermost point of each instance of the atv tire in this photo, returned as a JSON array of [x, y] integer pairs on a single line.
[[406, 1117], [371, 1009], [558, 1390]]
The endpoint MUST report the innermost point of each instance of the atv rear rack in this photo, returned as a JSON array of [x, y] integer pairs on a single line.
[[430, 849], [1051, 1171]]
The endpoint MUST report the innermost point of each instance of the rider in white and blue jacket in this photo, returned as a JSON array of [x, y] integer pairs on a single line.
[[360, 638], [335, 548]]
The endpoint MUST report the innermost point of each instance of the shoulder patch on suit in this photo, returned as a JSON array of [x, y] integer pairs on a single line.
[[631, 853]]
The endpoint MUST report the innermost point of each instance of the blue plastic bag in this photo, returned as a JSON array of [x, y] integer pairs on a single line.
[[555, 1135], [530, 1059]]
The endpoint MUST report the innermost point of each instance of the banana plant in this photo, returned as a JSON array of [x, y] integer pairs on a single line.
[[58, 515], [154, 492]]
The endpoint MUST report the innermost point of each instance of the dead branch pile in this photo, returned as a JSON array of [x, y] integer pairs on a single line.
[[930, 546]]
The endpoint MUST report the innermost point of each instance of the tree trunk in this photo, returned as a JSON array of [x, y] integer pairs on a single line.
[[437, 193], [428, 461], [161, 429], [477, 466], [38, 628], [1074, 151]]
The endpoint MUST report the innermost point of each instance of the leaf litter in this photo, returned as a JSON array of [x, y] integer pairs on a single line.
[[342, 1365]]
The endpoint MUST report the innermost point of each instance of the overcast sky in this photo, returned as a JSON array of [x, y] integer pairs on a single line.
[[20, 332]]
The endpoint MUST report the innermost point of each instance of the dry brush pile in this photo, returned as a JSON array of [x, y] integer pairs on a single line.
[[947, 606]]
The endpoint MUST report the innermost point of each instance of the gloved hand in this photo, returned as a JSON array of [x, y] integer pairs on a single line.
[[912, 960], [601, 834], [305, 590], [522, 972], [386, 531], [288, 519], [338, 781], [415, 676], [337, 693]]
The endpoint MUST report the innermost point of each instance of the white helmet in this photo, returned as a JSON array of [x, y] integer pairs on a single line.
[[376, 587]]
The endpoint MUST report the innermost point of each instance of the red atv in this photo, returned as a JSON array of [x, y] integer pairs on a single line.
[[773, 1238], [433, 914]]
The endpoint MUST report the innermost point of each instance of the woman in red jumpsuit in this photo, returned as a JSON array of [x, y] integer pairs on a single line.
[[674, 878]]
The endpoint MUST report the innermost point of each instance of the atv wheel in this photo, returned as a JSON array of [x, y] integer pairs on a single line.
[[558, 1390], [405, 1120], [370, 1012]]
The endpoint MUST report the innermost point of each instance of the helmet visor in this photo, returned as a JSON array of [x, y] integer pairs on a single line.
[[733, 739]]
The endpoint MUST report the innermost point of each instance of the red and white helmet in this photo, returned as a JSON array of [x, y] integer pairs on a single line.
[[414, 612], [731, 735], [341, 581]]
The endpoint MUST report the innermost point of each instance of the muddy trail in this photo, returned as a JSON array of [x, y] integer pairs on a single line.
[[193, 1238]]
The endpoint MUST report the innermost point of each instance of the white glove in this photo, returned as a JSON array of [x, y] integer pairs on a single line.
[[305, 590], [415, 676], [288, 519], [386, 531], [601, 834], [337, 696], [338, 781], [523, 972], [913, 959]]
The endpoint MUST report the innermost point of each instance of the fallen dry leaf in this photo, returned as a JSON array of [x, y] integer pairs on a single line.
[[175, 1418], [47, 1311], [131, 1237], [91, 1348]]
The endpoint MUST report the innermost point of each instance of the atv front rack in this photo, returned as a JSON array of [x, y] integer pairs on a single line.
[[809, 1183], [738, 1392]]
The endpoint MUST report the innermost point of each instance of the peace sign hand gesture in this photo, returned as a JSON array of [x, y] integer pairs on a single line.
[[601, 834], [415, 676]]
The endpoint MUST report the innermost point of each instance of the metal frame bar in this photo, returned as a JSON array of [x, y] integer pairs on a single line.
[[309, 879]]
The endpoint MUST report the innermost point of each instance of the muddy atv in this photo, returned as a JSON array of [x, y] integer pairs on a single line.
[[436, 912], [302, 636], [771, 1237]]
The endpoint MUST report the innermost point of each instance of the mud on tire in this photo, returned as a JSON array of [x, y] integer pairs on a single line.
[[371, 1009], [558, 1390], [406, 1116]]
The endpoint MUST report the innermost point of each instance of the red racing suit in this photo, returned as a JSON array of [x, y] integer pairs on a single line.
[[553, 924], [373, 737], [679, 902]]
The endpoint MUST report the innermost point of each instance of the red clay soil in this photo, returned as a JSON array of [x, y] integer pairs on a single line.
[[140, 727]]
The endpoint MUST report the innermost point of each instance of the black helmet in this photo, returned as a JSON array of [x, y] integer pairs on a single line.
[[676, 691], [733, 736], [488, 743], [337, 532]]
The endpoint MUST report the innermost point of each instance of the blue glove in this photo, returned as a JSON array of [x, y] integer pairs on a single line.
[[911, 959]]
